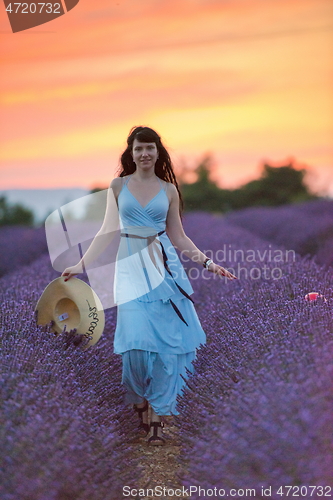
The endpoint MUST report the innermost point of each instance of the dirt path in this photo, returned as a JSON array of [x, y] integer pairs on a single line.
[[159, 463]]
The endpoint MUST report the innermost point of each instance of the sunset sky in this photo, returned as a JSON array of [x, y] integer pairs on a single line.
[[249, 81]]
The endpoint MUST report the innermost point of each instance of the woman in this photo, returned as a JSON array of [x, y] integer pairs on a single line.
[[158, 330]]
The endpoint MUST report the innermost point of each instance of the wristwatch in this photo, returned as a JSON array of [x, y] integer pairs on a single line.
[[207, 262]]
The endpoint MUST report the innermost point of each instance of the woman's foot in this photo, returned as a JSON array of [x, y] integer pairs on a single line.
[[156, 435], [142, 410]]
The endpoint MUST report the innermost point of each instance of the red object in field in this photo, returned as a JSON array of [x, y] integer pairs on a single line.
[[310, 297]]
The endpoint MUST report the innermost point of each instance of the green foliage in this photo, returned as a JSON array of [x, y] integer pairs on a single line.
[[204, 194], [276, 186], [12, 215]]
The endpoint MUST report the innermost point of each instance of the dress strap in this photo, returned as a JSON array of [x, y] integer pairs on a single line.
[[127, 178], [161, 184]]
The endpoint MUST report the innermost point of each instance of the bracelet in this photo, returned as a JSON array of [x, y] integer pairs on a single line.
[[207, 263]]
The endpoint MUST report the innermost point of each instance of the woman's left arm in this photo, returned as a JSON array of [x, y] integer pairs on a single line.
[[183, 243]]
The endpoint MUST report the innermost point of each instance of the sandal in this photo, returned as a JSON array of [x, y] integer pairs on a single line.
[[156, 440], [143, 428]]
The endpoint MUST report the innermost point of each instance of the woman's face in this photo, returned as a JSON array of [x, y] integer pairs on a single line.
[[144, 154]]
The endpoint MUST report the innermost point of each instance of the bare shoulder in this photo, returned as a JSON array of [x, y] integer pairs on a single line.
[[171, 188], [116, 182], [116, 185], [172, 192]]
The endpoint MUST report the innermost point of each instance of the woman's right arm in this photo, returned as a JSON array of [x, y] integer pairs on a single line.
[[104, 236]]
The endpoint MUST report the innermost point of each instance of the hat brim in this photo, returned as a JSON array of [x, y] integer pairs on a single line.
[[71, 304]]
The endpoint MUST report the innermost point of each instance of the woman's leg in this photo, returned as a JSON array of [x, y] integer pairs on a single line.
[[133, 378], [157, 378], [142, 410], [166, 372], [155, 436]]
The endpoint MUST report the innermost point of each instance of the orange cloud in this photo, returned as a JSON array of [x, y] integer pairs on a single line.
[[243, 80]]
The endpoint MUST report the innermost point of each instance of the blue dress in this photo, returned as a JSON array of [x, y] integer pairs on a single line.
[[158, 330]]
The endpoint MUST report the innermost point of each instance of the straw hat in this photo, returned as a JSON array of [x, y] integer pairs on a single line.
[[71, 304]]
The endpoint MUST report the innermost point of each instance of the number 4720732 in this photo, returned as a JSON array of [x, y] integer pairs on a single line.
[[305, 491], [32, 8]]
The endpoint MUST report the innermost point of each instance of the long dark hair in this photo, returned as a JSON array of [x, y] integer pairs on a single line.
[[163, 165]]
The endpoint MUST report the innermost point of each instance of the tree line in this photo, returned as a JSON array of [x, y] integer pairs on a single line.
[[15, 214], [276, 186]]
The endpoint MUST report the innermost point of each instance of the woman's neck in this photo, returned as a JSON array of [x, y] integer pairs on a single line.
[[144, 176]]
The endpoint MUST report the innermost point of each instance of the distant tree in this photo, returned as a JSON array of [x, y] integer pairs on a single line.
[[203, 194], [11, 215], [276, 186]]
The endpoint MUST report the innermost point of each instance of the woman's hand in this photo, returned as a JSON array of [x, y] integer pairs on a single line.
[[216, 269], [72, 271]]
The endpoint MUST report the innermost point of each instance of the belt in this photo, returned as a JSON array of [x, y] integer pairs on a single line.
[[151, 239]]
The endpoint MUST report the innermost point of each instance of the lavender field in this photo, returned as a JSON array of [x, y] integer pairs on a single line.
[[305, 227], [20, 245], [256, 413], [64, 428]]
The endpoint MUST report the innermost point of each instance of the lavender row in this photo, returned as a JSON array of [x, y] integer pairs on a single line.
[[65, 429], [273, 428], [20, 246], [245, 322], [307, 227], [258, 410]]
